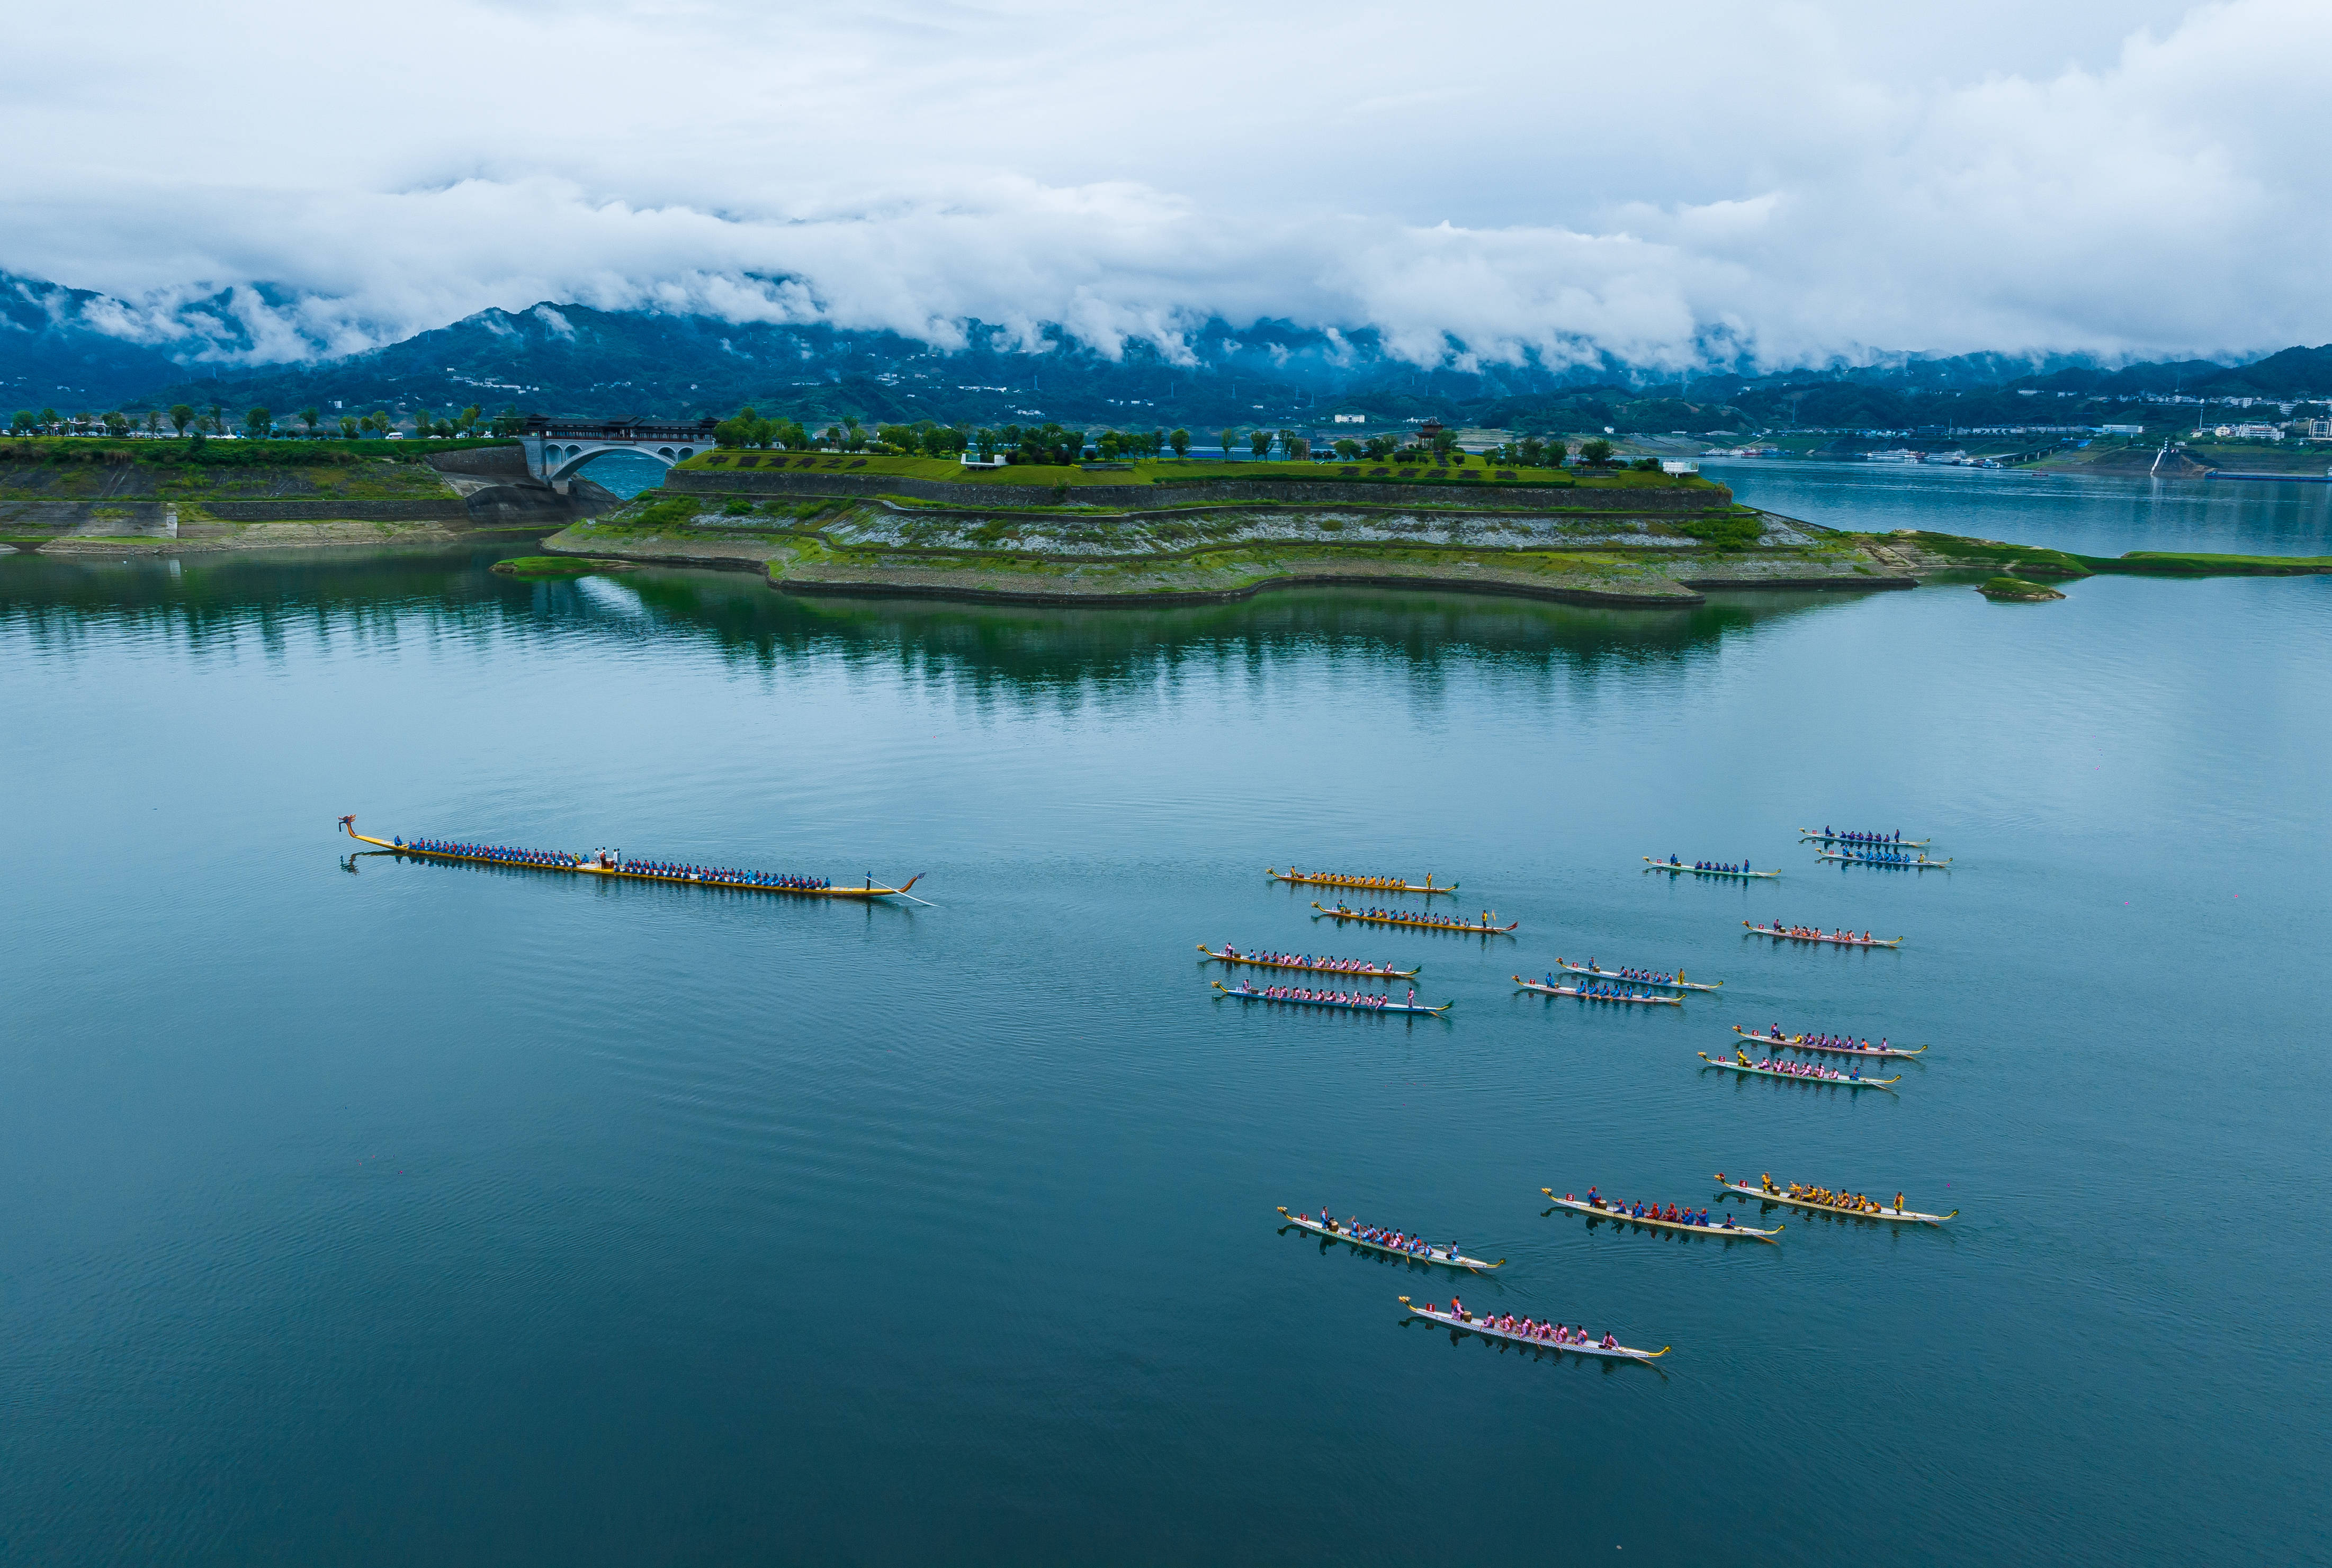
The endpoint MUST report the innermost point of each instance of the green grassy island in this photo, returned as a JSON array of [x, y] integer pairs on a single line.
[[544, 568], [1159, 531], [1162, 531], [2017, 591]]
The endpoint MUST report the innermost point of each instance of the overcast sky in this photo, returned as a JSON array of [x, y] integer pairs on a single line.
[[1803, 179]]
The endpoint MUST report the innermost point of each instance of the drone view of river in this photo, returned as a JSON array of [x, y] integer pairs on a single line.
[[372, 1210]]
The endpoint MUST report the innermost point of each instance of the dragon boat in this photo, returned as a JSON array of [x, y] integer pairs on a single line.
[[1448, 1257], [1366, 972], [1681, 870], [1592, 1211], [1799, 1042], [1849, 858], [1821, 838], [1388, 1006], [1815, 1205], [625, 871], [1751, 1072], [1585, 995], [1678, 983], [1776, 932], [1418, 922], [1366, 884], [1472, 1325]]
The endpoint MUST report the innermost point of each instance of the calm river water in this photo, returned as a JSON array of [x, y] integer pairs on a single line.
[[366, 1212]]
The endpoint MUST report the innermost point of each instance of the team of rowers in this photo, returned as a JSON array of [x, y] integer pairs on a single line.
[[1673, 1215], [1524, 1328], [1816, 933], [500, 853], [1823, 1042], [1338, 880], [1853, 1074], [1392, 1241], [721, 874], [1849, 1202], [1894, 838], [613, 861], [1885, 858], [1302, 993], [1740, 869], [1306, 960], [1587, 993], [1642, 977], [1409, 918]]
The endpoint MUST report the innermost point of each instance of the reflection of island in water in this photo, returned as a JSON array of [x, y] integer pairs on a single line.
[[217, 601]]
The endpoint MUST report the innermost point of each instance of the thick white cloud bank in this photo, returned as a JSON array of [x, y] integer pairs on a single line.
[[1782, 182]]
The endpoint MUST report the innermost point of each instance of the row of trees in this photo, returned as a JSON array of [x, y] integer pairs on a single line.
[[1057, 444], [260, 423], [1040, 443]]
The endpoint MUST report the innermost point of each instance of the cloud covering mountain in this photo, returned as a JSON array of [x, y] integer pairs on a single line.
[[1750, 185]]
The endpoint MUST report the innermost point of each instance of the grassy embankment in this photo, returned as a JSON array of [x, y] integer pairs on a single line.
[[77, 491]]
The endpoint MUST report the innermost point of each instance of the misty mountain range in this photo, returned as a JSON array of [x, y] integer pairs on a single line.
[[78, 351]]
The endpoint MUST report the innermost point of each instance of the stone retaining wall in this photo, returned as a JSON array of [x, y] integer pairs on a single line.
[[124, 516], [449, 510]]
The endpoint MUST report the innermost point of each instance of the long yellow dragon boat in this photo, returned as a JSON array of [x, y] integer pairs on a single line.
[[1801, 1199], [1370, 884], [627, 870]]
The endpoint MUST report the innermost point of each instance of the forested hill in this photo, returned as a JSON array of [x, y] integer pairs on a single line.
[[78, 352]]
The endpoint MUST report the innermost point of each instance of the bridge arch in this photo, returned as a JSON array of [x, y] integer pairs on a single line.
[[561, 460], [556, 447]]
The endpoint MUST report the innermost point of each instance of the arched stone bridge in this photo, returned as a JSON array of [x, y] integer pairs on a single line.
[[556, 447]]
